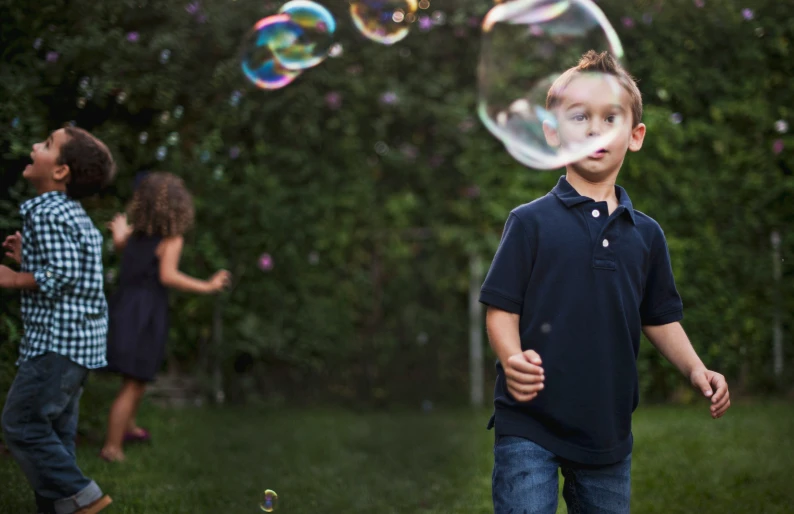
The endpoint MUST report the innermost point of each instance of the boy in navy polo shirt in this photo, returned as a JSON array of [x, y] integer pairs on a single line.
[[64, 314], [578, 275]]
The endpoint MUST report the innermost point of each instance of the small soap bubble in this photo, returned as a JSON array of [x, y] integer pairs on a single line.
[[259, 63], [381, 148], [121, 98], [234, 100], [269, 501], [178, 111], [662, 94], [314, 258], [333, 100], [217, 173], [165, 56], [312, 41], [425, 4], [425, 23], [336, 50], [234, 152], [173, 139], [37, 43], [162, 152], [759, 31], [265, 262], [52, 56], [777, 146], [84, 83], [389, 98], [165, 117], [438, 18], [133, 37], [676, 118], [747, 14], [382, 21], [15, 123], [781, 126], [81, 102], [205, 156], [143, 137]]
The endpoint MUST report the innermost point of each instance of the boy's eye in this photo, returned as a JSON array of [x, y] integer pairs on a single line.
[[611, 118], [578, 117]]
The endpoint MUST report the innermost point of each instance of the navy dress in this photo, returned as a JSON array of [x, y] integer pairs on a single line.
[[138, 312]]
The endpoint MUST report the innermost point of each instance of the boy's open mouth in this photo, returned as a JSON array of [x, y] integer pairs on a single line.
[[598, 154]]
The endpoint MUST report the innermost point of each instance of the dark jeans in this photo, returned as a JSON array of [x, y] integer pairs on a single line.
[[525, 481], [39, 428]]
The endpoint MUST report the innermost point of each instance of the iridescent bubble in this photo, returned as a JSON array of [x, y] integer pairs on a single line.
[[759, 31], [526, 47], [165, 117], [425, 4], [234, 100], [381, 148], [178, 111], [270, 501], [204, 157], [258, 61], [314, 258], [333, 100], [52, 56], [217, 173], [84, 83], [676, 118], [121, 98], [781, 126], [336, 50], [376, 19], [161, 153], [37, 43], [747, 14], [662, 94], [777, 146], [389, 98], [266, 264], [234, 152], [173, 139], [165, 56], [425, 23], [15, 123], [143, 137], [81, 102], [438, 18], [133, 37], [317, 27]]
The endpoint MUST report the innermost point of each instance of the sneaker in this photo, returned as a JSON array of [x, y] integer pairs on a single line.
[[95, 507]]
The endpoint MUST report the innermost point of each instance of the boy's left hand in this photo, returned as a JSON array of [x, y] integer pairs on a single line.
[[7, 277], [714, 386]]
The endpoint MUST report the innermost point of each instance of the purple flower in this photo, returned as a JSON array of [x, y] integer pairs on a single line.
[[234, 152], [627, 22], [192, 8], [52, 56], [777, 146], [132, 37], [265, 262], [333, 100], [747, 14], [389, 98], [425, 23]]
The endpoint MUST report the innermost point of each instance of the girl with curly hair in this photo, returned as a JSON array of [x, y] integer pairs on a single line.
[[149, 239]]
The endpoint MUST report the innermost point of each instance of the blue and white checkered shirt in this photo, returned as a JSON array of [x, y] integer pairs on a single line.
[[68, 314]]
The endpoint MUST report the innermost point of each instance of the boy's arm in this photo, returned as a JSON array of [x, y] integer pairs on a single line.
[[672, 342]]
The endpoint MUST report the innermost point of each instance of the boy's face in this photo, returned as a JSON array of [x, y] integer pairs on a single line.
[[45, 172], [595, 107]]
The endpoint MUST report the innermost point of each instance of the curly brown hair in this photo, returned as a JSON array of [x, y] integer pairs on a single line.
[[161, 206], [91, 165]]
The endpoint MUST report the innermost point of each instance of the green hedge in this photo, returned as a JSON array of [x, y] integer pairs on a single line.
[[360, 304]]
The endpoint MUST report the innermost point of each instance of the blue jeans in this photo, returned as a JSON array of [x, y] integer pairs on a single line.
[[39, 428], [525, 481]]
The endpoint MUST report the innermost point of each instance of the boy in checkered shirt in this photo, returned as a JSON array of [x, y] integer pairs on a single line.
[[64, 313]]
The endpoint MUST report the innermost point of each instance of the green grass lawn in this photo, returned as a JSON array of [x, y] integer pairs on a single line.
[[220, 461]]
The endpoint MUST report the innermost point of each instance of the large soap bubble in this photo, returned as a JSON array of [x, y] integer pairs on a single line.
[[527, 46]]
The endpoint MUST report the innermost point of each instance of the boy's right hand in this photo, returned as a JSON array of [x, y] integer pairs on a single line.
[[220, 281], [13, 247], [524, 375]]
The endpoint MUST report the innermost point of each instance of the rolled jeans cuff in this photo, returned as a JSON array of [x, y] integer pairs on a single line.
[[88, 495]]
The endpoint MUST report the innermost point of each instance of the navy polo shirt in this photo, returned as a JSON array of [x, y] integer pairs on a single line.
[[584, 283]]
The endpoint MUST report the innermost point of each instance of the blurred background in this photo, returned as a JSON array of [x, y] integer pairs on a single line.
[[359, 208]]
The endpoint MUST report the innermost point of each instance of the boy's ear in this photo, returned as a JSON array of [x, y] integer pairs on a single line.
[[637, 137], [62, 173], [551, 134]]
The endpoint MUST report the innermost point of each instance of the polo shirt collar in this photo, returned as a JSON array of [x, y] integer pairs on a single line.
[[570, 197]]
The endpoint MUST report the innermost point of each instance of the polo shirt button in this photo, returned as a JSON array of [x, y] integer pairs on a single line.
[[596, 213], [604, 243]]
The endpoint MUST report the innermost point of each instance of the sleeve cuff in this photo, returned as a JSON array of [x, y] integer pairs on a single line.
[[669, 316], [500, 302], [46, 280]]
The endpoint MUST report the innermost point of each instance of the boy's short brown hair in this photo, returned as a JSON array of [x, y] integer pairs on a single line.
[[91, 165], [594, 62], [161, 206]]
